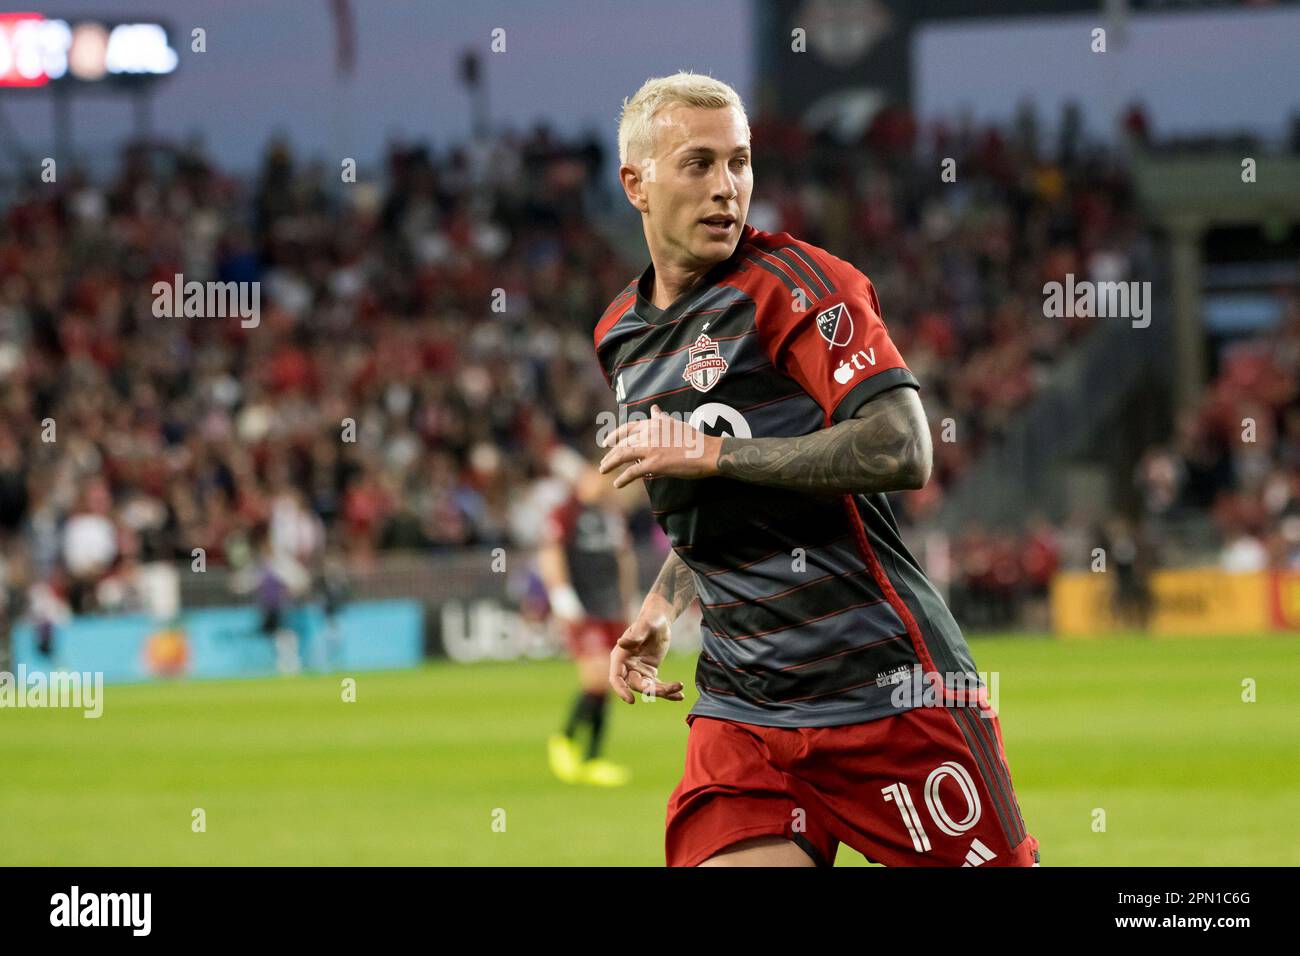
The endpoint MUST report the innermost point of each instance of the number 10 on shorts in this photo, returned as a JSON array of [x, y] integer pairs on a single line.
[[900, 795]]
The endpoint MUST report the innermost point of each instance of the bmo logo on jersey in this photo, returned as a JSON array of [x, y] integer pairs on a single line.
[[717, 419]]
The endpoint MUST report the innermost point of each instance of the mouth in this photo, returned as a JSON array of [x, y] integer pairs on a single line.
[[719, 225]]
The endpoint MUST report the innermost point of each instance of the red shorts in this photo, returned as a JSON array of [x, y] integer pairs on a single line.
[[927, 787], [592, 636]]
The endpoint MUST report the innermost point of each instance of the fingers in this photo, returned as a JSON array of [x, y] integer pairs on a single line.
[[644, 678], [629, 433], [622, 455], [625, 649], [642, 461], [633, 472], [629, 675], [631, 440], [618, 439], [644, 684], [618, 674], [623, 430], [652, 447]]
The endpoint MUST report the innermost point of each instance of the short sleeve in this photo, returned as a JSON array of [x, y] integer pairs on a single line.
[[838, 349]]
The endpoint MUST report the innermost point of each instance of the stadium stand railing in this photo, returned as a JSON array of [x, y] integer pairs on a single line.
[[1064, 419]]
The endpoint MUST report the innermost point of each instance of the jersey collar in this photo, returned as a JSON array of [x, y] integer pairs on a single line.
[[646, 283]]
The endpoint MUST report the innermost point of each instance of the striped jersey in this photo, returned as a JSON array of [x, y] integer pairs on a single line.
[[813, 608]]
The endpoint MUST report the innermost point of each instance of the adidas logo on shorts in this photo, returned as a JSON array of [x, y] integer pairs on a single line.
[[977, 854]]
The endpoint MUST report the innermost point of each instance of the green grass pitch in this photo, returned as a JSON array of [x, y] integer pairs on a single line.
[[1153, 732]]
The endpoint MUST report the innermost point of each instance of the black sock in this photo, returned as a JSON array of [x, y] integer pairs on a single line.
[[597, 724], [580, 715]]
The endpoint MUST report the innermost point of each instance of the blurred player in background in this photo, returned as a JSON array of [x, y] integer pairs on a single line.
[[333, 588], [277, 581], [773, 413], [589, 569]]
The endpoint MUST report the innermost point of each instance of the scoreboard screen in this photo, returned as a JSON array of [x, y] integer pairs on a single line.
[[37, 51]]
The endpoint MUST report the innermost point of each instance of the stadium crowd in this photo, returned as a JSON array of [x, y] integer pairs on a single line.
[[1237, 454], [424, 346]]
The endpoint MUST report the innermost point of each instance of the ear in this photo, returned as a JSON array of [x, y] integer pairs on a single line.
[[634, 186]]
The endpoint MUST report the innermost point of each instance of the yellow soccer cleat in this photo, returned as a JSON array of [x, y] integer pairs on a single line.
[[566, 763], [602, 773]]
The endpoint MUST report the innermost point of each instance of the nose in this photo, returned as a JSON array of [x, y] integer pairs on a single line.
[[726, 188]]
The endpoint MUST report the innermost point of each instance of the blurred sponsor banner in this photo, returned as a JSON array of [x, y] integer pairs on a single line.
[[487, 628], [471, 612], [227, 642], [1284, 600], [1193, 601]]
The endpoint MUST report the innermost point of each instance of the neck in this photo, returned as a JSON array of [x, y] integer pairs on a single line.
[[672, 281]]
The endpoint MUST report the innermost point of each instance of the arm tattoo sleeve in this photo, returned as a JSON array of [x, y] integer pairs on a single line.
[[675, 584], [885, 446]]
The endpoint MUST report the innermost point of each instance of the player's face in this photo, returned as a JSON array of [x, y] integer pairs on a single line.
[[701, 171]]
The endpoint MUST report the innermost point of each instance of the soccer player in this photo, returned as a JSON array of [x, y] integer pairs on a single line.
[[277, 580], [590, 575], [768, 411]]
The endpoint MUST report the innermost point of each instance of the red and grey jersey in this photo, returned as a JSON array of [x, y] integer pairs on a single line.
[[813, 608], [592, 538]]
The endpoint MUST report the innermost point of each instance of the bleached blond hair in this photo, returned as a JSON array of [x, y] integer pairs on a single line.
[[636, 132]]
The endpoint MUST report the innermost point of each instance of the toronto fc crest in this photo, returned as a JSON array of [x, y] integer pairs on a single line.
[[705, 365]]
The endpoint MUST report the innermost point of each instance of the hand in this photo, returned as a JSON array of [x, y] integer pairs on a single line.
[[634, 662], [565, 604], [660, 445]]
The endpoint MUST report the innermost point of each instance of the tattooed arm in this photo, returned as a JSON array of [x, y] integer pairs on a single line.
[[675, 586], [885, 446]]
